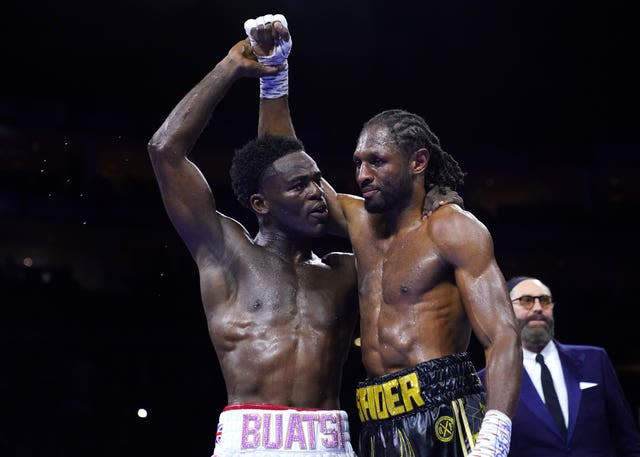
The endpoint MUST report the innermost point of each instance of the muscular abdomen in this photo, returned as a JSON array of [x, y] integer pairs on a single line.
[[286, 344], [410, 308]]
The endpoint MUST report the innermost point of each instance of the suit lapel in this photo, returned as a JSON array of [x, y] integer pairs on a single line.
[[572, 370], [531, 400]]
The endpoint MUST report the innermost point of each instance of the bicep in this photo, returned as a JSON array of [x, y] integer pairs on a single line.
[[468, 247], [484, 295]]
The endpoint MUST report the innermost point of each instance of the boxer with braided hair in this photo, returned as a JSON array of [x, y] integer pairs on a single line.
[[410, 132], [280, 317], [424, 284]]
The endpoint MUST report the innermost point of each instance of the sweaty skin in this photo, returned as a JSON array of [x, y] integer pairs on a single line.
[[280, 318], [424, 284]]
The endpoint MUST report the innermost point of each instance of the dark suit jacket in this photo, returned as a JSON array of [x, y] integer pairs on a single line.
[[600, 420]]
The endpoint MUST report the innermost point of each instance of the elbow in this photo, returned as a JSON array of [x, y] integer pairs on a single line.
[[507, 341], [161, 149], [156, 146], [511, 337]]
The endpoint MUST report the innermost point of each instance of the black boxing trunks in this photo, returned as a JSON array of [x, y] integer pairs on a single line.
[[433, 409], [276, 431]]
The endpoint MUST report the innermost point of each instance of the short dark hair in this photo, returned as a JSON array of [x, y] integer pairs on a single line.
[[411, 132], [251, 160], [511, 283]]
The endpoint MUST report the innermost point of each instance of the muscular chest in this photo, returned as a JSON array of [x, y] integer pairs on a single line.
[[273, 293], [399, 270]]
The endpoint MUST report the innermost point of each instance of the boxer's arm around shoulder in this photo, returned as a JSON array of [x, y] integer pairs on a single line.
[[438, 196], [343, 210]]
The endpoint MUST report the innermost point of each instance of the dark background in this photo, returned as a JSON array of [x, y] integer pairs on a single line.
[[101, 312]]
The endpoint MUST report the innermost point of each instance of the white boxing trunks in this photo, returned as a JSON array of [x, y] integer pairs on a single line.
[[274, 430]]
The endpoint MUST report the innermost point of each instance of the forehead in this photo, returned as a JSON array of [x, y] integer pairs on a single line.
[[291, 166], [529, 287], [375, 138]]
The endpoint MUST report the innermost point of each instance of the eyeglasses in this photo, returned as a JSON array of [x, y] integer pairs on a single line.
[[527, 301]]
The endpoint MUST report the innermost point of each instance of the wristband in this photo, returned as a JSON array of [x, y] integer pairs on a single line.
[[275, 86], [494, 437]]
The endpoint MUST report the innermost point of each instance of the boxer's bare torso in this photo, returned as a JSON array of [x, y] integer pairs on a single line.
[[410, 306], [280, 318], [281, 327]]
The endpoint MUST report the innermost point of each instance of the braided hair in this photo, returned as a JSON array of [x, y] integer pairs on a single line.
[[251, 160], [411, 132]]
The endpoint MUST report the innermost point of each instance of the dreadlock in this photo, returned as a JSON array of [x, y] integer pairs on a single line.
[[410, 132]]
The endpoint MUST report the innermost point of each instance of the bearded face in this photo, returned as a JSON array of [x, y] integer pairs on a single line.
[[536, 330], [535, 317], [382, 171]]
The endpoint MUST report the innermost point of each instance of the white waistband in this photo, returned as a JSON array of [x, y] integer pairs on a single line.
[[267, 431]]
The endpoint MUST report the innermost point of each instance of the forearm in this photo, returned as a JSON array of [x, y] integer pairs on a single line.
[[275, 117], [503, 372], [185, 123], [502, 378], [338, 224]]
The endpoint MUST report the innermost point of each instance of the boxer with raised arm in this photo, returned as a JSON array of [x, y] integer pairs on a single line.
[[424, 286], [280, 318]]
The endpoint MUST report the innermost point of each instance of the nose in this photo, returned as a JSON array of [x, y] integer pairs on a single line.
[[537, 305], [363, 175], [316, 190]]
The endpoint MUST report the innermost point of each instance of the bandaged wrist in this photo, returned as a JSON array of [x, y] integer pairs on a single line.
[[272, 86], [494, 437], [275, 86]]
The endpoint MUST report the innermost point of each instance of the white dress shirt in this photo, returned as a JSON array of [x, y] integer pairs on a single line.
[[552, 360]]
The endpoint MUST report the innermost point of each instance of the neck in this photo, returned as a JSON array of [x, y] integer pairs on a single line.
[[285, 246], [407, 214]]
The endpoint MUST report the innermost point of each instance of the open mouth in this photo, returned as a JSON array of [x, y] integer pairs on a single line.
[[320, 211]]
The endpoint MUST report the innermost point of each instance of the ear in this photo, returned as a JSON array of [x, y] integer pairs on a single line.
[[259, 204], [420, 160]]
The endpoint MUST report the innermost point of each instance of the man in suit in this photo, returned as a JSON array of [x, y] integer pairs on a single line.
[[591, 416]]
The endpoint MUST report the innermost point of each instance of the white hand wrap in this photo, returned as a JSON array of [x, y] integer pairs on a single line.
[[494, 437], [277, 85]]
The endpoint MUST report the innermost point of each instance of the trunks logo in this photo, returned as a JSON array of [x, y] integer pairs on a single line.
[[292, 431], [444, 429], [391, 398]]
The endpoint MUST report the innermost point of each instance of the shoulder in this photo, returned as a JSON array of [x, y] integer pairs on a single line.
[[592, 351], [352, 205], [452, 228], [451, 216]]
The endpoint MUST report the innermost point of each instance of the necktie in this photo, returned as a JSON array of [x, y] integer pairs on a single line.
[[550, 397]]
